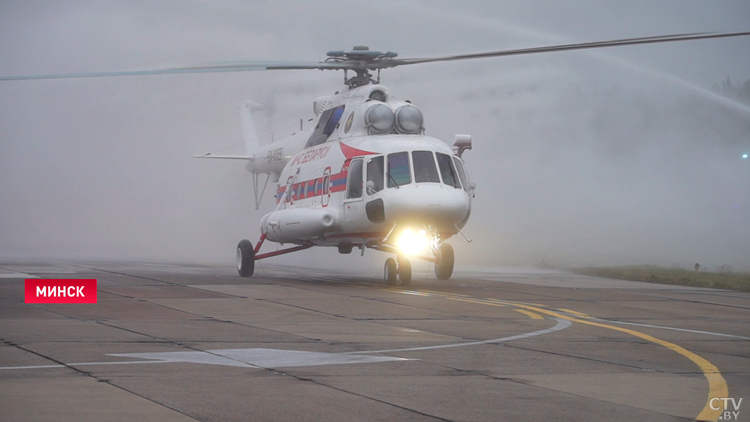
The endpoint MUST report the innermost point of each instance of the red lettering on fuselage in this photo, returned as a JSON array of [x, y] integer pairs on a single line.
[[311, 155]]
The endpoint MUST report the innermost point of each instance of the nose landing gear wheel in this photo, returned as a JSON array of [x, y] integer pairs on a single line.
[[245, 258], [444, 262], [389, 272], [404, 271]]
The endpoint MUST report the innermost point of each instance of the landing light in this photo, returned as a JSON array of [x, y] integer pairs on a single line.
[[411, 243], [744, 155]]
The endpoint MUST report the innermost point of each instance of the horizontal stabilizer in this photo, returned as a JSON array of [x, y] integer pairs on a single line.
[[225, 157]]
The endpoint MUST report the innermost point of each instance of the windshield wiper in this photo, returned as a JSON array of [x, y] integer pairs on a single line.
[[392, 179]]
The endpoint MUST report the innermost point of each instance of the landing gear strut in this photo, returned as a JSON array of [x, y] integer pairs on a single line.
[[247, 255]]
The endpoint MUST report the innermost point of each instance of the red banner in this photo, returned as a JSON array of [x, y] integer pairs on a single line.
[[67, 290]]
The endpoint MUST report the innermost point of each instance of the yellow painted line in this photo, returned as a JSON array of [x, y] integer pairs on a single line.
[[529, 314], [717, 385], [582, 315], [460, 299], [444, 294]]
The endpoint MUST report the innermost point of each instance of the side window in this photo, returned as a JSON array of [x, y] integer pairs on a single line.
[[318, 187], [398, 173], [462, 173], [447, 171], [325, 127], [326, 184], [289, 189], [374, 175], [354, 180], [424, 167]]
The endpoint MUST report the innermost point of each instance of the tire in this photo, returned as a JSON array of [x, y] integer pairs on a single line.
[[404, 271], [245, 258], [444, 262], [390, 272]]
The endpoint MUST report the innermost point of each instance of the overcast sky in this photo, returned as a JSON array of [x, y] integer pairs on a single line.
[[618, 156]]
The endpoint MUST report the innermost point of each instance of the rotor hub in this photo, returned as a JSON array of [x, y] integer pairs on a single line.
[[361, 60]]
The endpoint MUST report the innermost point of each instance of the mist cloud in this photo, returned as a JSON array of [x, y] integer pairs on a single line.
[[581, 158]]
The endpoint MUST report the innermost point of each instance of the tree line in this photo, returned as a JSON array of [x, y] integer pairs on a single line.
[[739, 91]]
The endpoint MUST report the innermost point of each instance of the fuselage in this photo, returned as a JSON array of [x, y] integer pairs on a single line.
[[351, 186]]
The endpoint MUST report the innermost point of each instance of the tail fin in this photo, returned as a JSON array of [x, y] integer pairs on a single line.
[[248, 125]]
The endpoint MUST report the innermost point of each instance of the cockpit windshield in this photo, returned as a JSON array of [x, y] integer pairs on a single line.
[[375, 174], [424, 167], [398, 173]]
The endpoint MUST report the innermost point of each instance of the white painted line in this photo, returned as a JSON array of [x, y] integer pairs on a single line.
[[83, 364], [561, 325], [670, 328], [270, 358], [32, 367], [129, 362], [17, 275]]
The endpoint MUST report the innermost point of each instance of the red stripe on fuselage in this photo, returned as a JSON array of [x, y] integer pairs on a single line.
[[348, 152], [351, 152], [318, 186]]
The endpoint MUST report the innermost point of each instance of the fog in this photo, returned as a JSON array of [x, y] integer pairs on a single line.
[[615, 156]]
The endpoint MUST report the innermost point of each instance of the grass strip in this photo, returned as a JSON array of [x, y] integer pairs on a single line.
[[654, 274]]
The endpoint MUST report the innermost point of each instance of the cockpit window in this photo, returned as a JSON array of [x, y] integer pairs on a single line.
[[447, 171], [374, 175], [354, 185], [326, 125], [461, 173], [424, 167], [334, 120], [398, 173]]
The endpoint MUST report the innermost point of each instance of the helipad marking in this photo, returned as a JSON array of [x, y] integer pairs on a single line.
[[245, 358], [261, 358]]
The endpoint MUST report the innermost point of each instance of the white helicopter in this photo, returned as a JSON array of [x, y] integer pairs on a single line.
[[367, 175]]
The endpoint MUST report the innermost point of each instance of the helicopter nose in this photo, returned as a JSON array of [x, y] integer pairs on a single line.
[[438, 205]]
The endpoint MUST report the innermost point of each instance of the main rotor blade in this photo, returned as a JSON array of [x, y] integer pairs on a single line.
[[235, 67], [580, 46], [381, 63]]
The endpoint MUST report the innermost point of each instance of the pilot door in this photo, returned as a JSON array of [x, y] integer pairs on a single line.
[[353, 208]]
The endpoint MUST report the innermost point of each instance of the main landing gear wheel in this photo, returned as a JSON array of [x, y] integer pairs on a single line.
[[245, 258], [404, 271], [390, 272], [444, 262]]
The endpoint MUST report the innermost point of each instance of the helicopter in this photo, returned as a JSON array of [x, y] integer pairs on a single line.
[[366, 176]]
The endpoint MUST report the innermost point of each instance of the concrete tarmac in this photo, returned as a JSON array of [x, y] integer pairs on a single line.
[[188, 342]]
